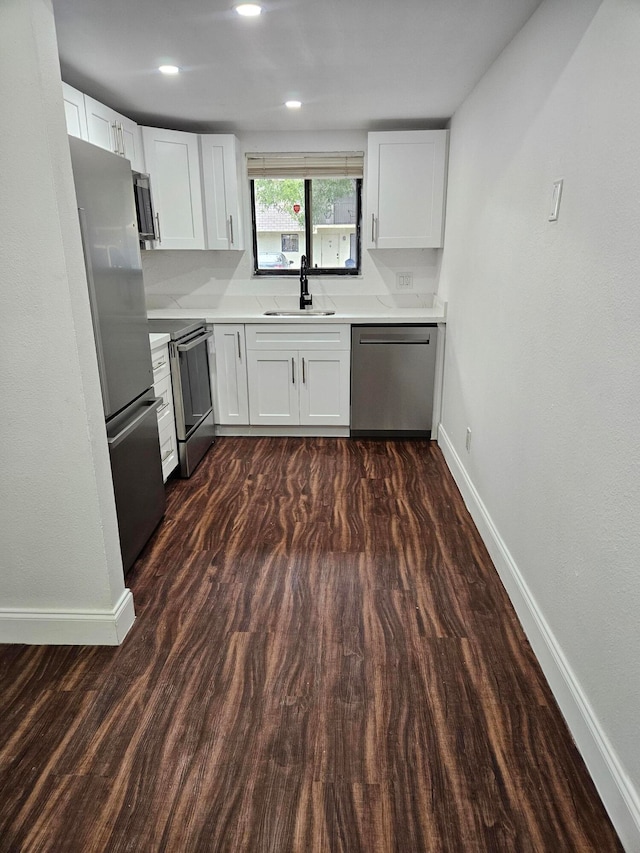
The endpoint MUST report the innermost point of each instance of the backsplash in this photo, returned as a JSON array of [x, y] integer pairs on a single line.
[[199, 279]]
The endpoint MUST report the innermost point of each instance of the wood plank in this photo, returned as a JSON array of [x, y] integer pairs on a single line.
[[323, 659]]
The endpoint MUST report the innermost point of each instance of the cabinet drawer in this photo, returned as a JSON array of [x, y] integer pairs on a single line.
[[165, 410], [168, 450], [316, 336], [160, 363]]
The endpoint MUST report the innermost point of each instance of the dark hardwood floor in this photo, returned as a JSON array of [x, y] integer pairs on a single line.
[[324, 659]]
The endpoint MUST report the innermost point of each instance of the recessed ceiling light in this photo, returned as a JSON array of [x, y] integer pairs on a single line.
[[249, 10], [293, 105], [169, 69]]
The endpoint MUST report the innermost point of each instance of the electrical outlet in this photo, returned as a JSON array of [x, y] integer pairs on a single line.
[[468, 440], [404, 280]]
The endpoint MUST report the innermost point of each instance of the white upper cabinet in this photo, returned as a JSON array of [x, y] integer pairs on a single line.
[[74, 111], [173, 162], [405, 187], [222, 191], [114, 132], [90, 120]]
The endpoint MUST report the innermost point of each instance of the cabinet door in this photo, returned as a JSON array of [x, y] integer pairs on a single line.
[[222, 191], [114, 132], [230, 375], [168, 451], [173, 161], [74, 111], [102, 126], [405, 189], [132, 140], [273, 387], [324, 387]]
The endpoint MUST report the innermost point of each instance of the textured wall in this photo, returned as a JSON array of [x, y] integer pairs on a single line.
[[58, 526], [543, 344]]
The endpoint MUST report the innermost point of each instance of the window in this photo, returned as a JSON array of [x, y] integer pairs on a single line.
[[290, 242], [306, 204]]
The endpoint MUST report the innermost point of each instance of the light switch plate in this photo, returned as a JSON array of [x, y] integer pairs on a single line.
[[555, 200]]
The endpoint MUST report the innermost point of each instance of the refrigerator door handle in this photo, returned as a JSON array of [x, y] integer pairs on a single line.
[[82, 219], [151, 406]]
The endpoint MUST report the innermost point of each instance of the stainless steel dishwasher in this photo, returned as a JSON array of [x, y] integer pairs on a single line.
[[392, 379]]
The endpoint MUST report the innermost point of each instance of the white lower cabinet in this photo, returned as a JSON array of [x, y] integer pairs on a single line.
[[273, 387], [324, 392], [229, 375], [166, 418], [298, 375]]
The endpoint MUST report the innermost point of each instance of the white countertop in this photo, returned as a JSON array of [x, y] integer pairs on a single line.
[[157, 340], [399, 309]]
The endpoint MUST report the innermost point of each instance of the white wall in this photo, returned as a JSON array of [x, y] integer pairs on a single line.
[[61, 577], [543, 357], [198, 279]]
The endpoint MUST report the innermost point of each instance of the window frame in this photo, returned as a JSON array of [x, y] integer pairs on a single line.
[[308, 235]]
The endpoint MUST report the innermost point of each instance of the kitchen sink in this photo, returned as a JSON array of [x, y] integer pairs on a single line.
[[301, 312]]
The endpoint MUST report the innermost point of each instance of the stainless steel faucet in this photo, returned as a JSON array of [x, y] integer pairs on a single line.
[[306, 300]]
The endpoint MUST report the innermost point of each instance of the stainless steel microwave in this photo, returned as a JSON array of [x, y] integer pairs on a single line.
[[144, 209]]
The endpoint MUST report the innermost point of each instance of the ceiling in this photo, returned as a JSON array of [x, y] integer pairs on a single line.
[[355, 64]]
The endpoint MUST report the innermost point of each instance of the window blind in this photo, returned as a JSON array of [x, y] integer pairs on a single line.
[[334, 164]]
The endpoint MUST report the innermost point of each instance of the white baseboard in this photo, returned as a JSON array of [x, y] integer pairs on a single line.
[[60, 628], [620, 798]]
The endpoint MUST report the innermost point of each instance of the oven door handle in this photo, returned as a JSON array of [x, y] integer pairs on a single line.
[[195, 342]]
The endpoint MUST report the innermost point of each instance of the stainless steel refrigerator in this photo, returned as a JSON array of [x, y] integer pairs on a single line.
[[106, 209]]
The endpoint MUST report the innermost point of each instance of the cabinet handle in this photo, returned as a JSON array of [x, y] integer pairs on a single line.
[[304, 379], [239, 350], [293, 371], [373, 228], [122, 149], [160, 363], [167, 455], [232, 241], [158, 224], [116, 143], [162, 408]]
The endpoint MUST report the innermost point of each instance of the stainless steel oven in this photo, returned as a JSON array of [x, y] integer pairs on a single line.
[[190, 377]]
